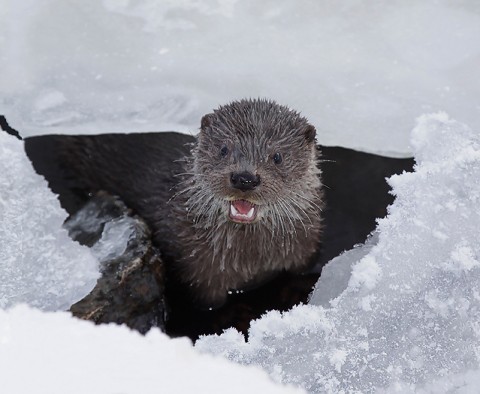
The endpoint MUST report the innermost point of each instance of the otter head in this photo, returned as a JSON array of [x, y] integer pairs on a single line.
[[255, 160]]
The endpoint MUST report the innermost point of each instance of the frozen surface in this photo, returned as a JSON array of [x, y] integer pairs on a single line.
[[336, 274], [114, 240], [360, 70], [39, 263], [408, 319], [83, 358]]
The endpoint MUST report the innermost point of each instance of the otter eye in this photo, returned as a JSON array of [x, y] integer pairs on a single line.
[[224, 151], [277, 158]]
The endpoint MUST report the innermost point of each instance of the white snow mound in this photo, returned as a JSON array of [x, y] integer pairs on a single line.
[[39, 264], [408, 318], [84, 358]]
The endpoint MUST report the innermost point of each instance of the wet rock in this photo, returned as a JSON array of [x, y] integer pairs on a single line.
[[131, 288]]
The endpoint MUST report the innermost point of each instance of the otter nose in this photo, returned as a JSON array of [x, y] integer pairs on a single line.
[[244, 180]]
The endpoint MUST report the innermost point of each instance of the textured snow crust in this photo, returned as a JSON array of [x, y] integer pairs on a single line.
[[408, 318], [53, 353], [39, 264]]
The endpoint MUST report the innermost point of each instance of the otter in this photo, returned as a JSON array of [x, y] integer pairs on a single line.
[[240, 203]]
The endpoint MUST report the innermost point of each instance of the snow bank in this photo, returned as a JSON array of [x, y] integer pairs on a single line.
[[360, 70], [39, 263], [53, 353], [408, 319]]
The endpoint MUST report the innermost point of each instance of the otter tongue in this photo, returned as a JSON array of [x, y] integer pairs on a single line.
[[243, 207]]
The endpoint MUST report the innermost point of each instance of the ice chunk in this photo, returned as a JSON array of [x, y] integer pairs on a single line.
[[336, 274], [115, 237], [39, 263], [407, 320]]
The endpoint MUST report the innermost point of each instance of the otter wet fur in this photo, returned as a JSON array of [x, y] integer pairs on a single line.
[[240, 204]]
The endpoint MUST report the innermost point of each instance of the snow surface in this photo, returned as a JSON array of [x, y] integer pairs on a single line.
[[53, 353], [403, 318], [361, 71], [336, 274], [39, 263], [409, 317]]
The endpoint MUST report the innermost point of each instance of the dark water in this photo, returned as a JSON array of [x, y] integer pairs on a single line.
[[356, 195]]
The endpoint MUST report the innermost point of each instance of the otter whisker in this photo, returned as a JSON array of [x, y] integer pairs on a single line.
[[286, 211], [298, 217], [305, 215], [191, 173], [277, 221], [308, 200], [180, 192], [312, 212]]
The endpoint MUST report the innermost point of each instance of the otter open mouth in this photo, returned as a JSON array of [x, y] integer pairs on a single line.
[[242, 211]]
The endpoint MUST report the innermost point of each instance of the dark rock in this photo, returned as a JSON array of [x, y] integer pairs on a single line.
[[131, 289], [6, 127]]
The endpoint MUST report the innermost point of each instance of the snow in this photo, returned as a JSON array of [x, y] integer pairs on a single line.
[[406, 316], [360, 71], [398, 314], [39, 264], [53, 353], [336, 274]]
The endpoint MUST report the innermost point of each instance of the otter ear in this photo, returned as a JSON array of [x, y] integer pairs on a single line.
[[310, 133], [206, 122]]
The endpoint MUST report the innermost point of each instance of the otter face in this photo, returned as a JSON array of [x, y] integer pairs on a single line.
[[255, 157]]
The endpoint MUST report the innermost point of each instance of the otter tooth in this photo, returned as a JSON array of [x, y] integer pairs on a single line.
[[250, 213], [233, 210]]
